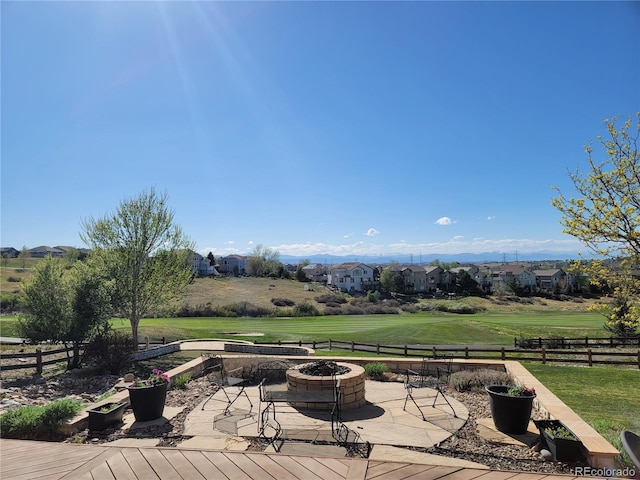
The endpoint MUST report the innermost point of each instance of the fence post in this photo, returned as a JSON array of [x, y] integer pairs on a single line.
[[466, 352], [38, 361], [329, 344], [352, 349], [377, 349], [435, 352], [314, 344], [611, 341], [639, 358], [502, 355], [539, 342], [515, 342], [163, 341], [586, 342], [405, 351], [544, 356], [146, 342], [590, 358], [299, 343]]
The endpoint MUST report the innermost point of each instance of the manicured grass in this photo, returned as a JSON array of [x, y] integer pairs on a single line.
[[423, 328], [605, 397]]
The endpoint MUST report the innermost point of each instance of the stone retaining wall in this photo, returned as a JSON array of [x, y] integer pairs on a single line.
[[155, 352], [267, 349]]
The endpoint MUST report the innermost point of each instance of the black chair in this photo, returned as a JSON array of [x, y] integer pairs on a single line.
[[631, 443], [433, 375], [218, 374]]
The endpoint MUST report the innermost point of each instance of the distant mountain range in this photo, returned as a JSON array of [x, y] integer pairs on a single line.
[[487, 257]]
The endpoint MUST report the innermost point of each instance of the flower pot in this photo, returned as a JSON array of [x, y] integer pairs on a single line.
[[563, 449], [510, 414], [147, 402], [105, 415]]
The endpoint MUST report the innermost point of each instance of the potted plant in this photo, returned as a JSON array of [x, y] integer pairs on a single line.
[[563, 444], [104, 415], [147, 396], [511, 407]]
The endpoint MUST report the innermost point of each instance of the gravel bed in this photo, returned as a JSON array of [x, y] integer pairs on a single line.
[[465, 444]]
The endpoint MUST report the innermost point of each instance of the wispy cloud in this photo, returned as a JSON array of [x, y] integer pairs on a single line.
[[372, 232], [444, 221], [491, 217]]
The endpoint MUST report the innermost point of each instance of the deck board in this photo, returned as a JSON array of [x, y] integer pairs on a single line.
[[29, 460]]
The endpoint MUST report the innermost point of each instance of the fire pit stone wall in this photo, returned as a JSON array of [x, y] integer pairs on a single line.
[[351, 386]]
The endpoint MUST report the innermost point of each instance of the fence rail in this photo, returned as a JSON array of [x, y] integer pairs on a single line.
[[39, 356], [543, 355], [586, 342]]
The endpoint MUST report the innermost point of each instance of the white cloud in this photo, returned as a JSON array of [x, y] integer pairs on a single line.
[[444, 221], [347, 235], [491, 217], [372, 232], [250, 242], [458, 238], [229, 242]]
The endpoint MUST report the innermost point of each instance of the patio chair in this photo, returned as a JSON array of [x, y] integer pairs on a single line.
[[631, 443], [218, 374], [429, 377]]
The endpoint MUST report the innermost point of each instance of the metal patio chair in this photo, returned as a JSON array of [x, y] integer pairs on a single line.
[[218, 374], [631, 443], [431, 375]]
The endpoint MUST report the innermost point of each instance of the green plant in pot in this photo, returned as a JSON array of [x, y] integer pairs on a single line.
[[106, 415], [511, 407], [563, 444], [147, 397]]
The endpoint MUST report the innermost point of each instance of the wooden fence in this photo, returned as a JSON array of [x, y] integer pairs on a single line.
[[40, 359], [577, 342], [543, 355]]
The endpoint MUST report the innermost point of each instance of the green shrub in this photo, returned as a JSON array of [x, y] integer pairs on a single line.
[[305, 309], [37, 422], [474, 380], [110, 351], [181, 381], [375, 369], [283, 302], [331, 298], [14, 279], [9, 302]]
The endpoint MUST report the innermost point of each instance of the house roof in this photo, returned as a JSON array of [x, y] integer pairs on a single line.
[[349, 266], [548, 272]]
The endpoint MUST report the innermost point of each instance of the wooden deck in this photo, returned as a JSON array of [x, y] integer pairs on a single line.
[[24, 459]]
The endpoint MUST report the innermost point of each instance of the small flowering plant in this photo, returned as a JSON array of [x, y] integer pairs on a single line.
[[157, 377], [521, 391]]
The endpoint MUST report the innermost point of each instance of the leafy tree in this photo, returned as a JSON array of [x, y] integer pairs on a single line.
[[605, 217], [24, 255], [144, 252], [300, 275], [46, 298], [73, 255], [263, 261], [387, 280], [212, 259], [64, 308]]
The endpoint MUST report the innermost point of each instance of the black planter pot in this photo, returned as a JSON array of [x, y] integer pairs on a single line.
[[510, 414], [563, 449], [99, 420], [147, 403]]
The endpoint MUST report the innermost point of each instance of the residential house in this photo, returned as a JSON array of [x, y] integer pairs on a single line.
[[414, 278], [42, 251], [8, 252], [201, 266], [526, 278], [433, 279], [552, 280], [315, 272], [351, 277], [233, 265]]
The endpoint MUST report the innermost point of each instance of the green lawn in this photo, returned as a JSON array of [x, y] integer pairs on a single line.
[[422, 328]]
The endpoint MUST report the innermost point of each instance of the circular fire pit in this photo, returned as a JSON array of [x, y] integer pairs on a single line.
[[351, 383]]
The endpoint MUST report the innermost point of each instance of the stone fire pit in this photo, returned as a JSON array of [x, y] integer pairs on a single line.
[[318, 376]]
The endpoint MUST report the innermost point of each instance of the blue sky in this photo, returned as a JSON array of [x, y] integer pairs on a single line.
[[345, 128]]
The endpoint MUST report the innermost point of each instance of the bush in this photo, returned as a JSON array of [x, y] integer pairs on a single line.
[[110, 351], [331, 298], [466, 380], [283, 302], [10, 302], [13, 279], [305, 309], [37, 422], [375, 369], [181, 381]]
